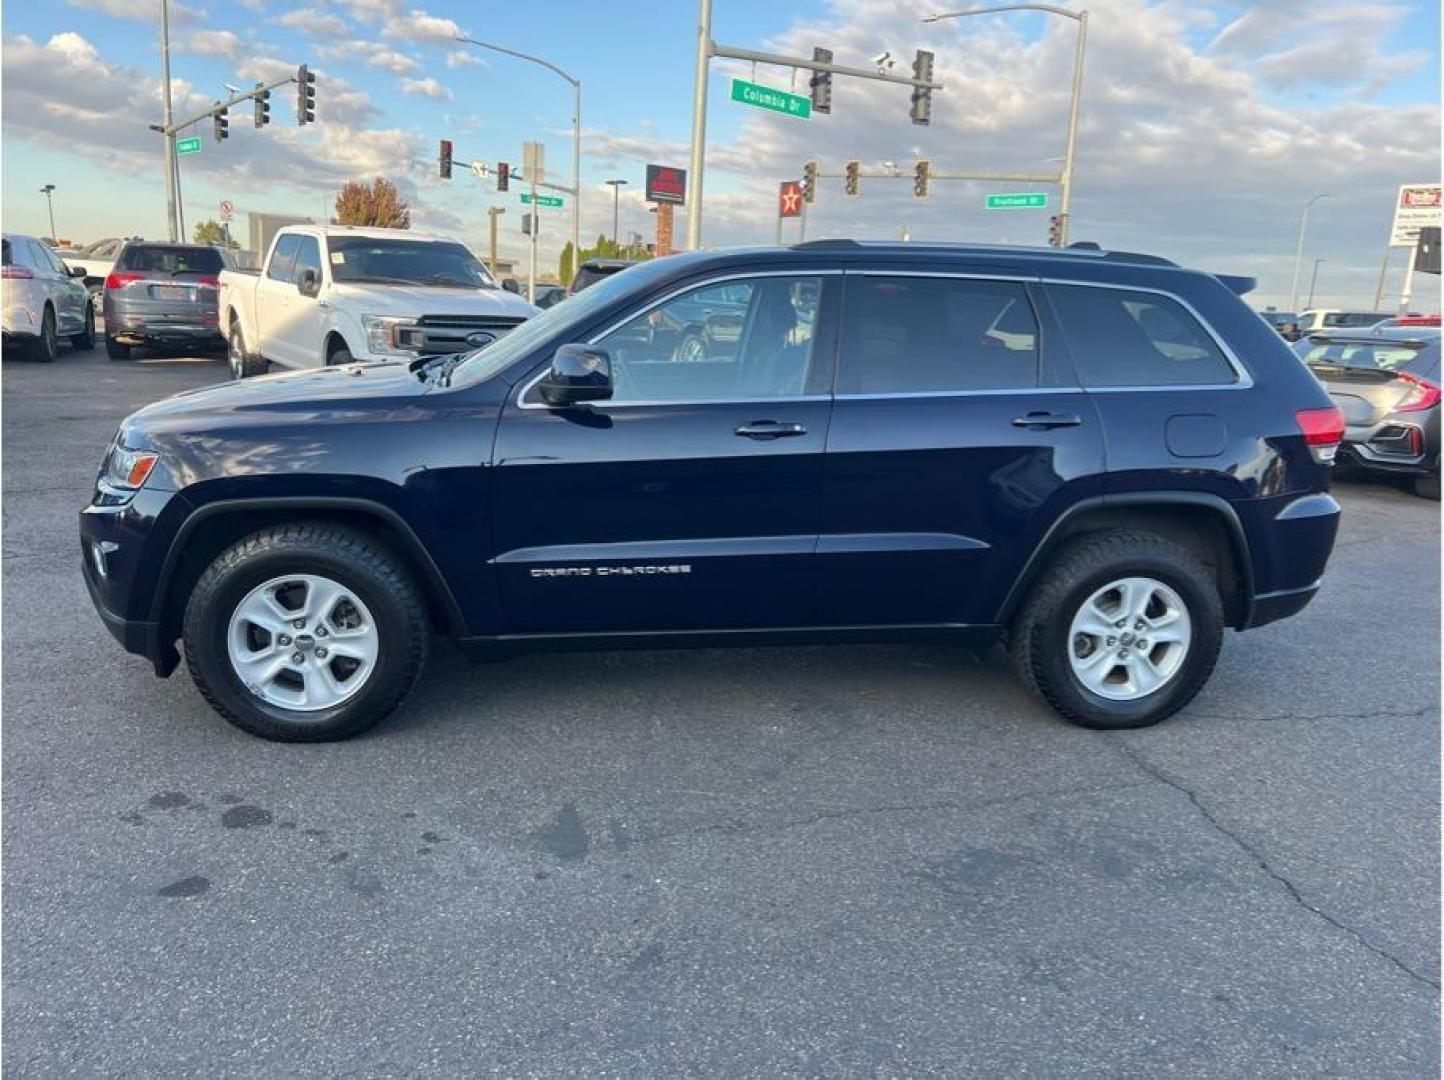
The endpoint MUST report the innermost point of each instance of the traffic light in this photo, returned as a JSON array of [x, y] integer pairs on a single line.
[[222, 125], [809, 181], [922, 111], [822, 82], [305, 95], [444, 159], [503, 176], [263, 108], [852, 173], [920, 178], [1055, 231]]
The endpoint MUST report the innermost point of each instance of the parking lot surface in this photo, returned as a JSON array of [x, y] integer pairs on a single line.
[[854, 860]]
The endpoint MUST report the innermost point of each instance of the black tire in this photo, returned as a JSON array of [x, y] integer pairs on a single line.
[[115, 350], [1427, 486], [369, 570], [1039, 637], [46, 347], [243, 365], [85, 340]]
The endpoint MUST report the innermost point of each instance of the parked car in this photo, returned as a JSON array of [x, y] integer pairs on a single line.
[[1387, 383], [163, 295], [43, 300], [1409, 320], [1316, 319], [329, 295], [96, 260], [1279, 319], [594, 270], [1102, 456]]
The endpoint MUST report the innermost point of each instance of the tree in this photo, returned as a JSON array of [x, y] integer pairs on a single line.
[[372, 202], [211, 231], [566, 267]]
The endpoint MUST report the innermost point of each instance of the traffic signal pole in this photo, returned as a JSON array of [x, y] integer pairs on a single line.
[[171, 175]]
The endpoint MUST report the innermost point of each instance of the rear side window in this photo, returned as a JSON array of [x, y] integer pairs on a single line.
[[1119, 337], [911, 335], [283, 258], [172, 261]]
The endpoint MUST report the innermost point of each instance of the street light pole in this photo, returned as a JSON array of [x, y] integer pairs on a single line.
[[576, 130], [50, 206], [1081, 18], [616, 186], [1314, 281], [1299, 252], [699, 125], [170, 156]]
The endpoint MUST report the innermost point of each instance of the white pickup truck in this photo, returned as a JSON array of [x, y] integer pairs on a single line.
[[330, 294]]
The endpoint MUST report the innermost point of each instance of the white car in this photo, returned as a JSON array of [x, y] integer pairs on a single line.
[[331, 294], [1315, 319], [97, 260], [43, 300]]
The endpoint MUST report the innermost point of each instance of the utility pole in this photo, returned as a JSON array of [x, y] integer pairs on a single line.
[[1314, 280], [1383, 273], [172, 174], [50, 206], [1299, 252], [616, 186], [494, 212]]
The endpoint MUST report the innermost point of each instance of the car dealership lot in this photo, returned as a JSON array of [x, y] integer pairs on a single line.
[[858, 859]]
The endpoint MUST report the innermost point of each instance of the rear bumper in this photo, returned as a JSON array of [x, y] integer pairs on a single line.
[[148, 333]]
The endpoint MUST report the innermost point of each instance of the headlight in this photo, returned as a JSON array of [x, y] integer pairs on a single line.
[[381, 333], [127, 470]]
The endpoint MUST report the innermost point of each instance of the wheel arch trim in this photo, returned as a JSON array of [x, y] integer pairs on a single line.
[[1055, 535], [416, 552]]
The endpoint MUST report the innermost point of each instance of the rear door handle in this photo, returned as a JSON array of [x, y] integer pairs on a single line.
[[1046, 420], [770, 429]]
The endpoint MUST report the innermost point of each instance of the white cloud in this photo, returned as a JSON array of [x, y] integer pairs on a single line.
[[417, 25], [372, 10], [210, 43], [316, 23], [372, 53], [138, 10], [427, 88], [461, 58]]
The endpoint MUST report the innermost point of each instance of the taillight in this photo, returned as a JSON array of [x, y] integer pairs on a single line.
[[16, 272], [116, 279], [1323, 430], [1423, 393], [210, 282]]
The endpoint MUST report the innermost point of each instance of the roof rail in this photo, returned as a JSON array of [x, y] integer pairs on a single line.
[[1081, 249]]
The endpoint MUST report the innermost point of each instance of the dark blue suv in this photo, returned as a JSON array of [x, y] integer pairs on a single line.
[[1101, 458]]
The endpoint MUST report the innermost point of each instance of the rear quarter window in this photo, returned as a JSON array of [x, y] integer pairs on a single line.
[[1123, 337]]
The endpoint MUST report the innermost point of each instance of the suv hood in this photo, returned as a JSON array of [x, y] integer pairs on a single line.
[[417, 300]]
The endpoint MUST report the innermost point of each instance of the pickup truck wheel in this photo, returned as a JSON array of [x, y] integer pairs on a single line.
[[1122, 631], [305, 633], [339, 356], [243, 365]]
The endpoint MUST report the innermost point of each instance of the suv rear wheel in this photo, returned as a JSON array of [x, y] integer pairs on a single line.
[[85, 340], [1122, 631], [46, 346], [305, 633]]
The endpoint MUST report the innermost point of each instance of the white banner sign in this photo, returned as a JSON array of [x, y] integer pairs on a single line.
[[1417, 207]]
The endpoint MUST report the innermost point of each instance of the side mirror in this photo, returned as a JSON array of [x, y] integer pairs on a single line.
[[75, 271], [578, 373], [309, 283]]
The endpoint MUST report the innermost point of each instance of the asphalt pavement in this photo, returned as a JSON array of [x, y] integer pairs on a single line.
[[845, 861]]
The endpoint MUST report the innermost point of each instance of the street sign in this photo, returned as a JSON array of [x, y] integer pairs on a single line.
[[1418, 207], [542, 200], [789, 198], [1021, 200], [765, 97], [228, 210], [479, 169], [666, 184], [188, 146]]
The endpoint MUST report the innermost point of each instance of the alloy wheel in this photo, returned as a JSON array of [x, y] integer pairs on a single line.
[[1129, 639]]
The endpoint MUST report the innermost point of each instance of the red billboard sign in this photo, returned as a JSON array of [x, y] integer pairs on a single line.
[[666, 184], [789, 198]]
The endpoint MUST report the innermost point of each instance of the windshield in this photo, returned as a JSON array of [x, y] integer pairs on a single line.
[[1379, 356], [554, 322], [442, 263]]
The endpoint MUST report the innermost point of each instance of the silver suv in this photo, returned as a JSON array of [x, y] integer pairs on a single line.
[[164, 294], [43, 300]]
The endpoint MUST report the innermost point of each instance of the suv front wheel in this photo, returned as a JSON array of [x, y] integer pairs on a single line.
[[305, 633], [1122, 631]]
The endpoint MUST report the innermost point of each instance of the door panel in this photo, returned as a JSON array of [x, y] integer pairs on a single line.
[[946, 461], [697, 509]]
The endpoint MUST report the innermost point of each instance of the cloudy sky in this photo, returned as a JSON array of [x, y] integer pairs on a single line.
[[1206, 125]]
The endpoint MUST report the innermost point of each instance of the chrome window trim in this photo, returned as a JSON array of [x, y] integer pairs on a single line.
[[1244, 380], [522, 403]]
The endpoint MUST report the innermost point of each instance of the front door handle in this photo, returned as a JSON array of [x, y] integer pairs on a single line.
[[1046, 420], [770, 429]]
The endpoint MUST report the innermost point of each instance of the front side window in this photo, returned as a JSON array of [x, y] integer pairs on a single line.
[[916, 335], [308, 257], [1119, 337], [740, 339]]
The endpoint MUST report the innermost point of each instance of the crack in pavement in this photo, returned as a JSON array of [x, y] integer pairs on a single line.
[[1146, 766], [1381, 714], [736, 827]]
